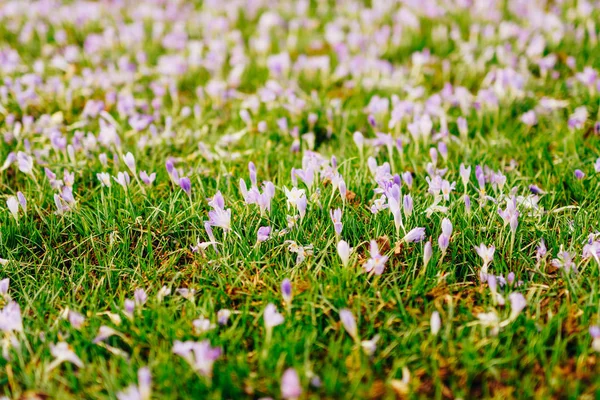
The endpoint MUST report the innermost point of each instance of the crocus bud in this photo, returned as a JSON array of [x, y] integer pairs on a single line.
[[286, 291], [436, 323], [344, 252], [427, 253], [349, 323], [130, 162], [186, 185]]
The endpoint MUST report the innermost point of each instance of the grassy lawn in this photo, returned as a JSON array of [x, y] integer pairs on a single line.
[[418, 218]]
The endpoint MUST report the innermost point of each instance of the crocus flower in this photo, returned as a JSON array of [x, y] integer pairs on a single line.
[[219, 216], [130, 162], [4, 285], [202, 325], [13, 206], [297, 198], [290, 385], [415, 235], [579, 174], [186, 185], [123, 179], [142, 391], [344, 251], [408, 205], [427, 253], [62, 352], [517, 304], [349, 323], [201, 356], [223, 316], [76, 319], [104, 179], [10, 318], [369, 346], [564, 260], [336, 217], [486, 254], [595, 334], [104, 333], [436, 323], [529, 118], [271, 317], [377, 261], [263, 234], [286, 290], [22, 201], [147, 179], [140, 297], [25, 162]]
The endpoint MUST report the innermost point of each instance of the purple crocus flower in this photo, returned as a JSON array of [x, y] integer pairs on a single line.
[[219, 216], [263, 233], [271, 317], [336, 217], [517, 304], [286, 290], [376, 262], [186, 185], [147, 179], [579, 174], [199, 355], [415, 235], [349, 322]]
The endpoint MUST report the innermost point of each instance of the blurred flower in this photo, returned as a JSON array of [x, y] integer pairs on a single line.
[[199, 355], [290, 385], [349, 323], [62, 352]]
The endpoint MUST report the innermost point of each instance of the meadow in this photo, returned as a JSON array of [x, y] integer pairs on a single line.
[[299, 199]]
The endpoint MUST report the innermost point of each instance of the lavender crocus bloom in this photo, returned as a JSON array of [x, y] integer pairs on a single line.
[[13, 206], [199, 355], [263, 233], [147, 179], [286, 290], [427, 253], [579, 174], [376, 262], [407, 178], [290, 385], [140, 297], [465, 175], [129, 307], [10, 318], [408, 205], [4, 285], [443, 242], [62, 352], [130, 162], [349, 323], [415, 235], [517, 304], [219, 216], [186, 185], [223, 316], [22, 201], [271, 317], [76, 319], [336, 217]]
